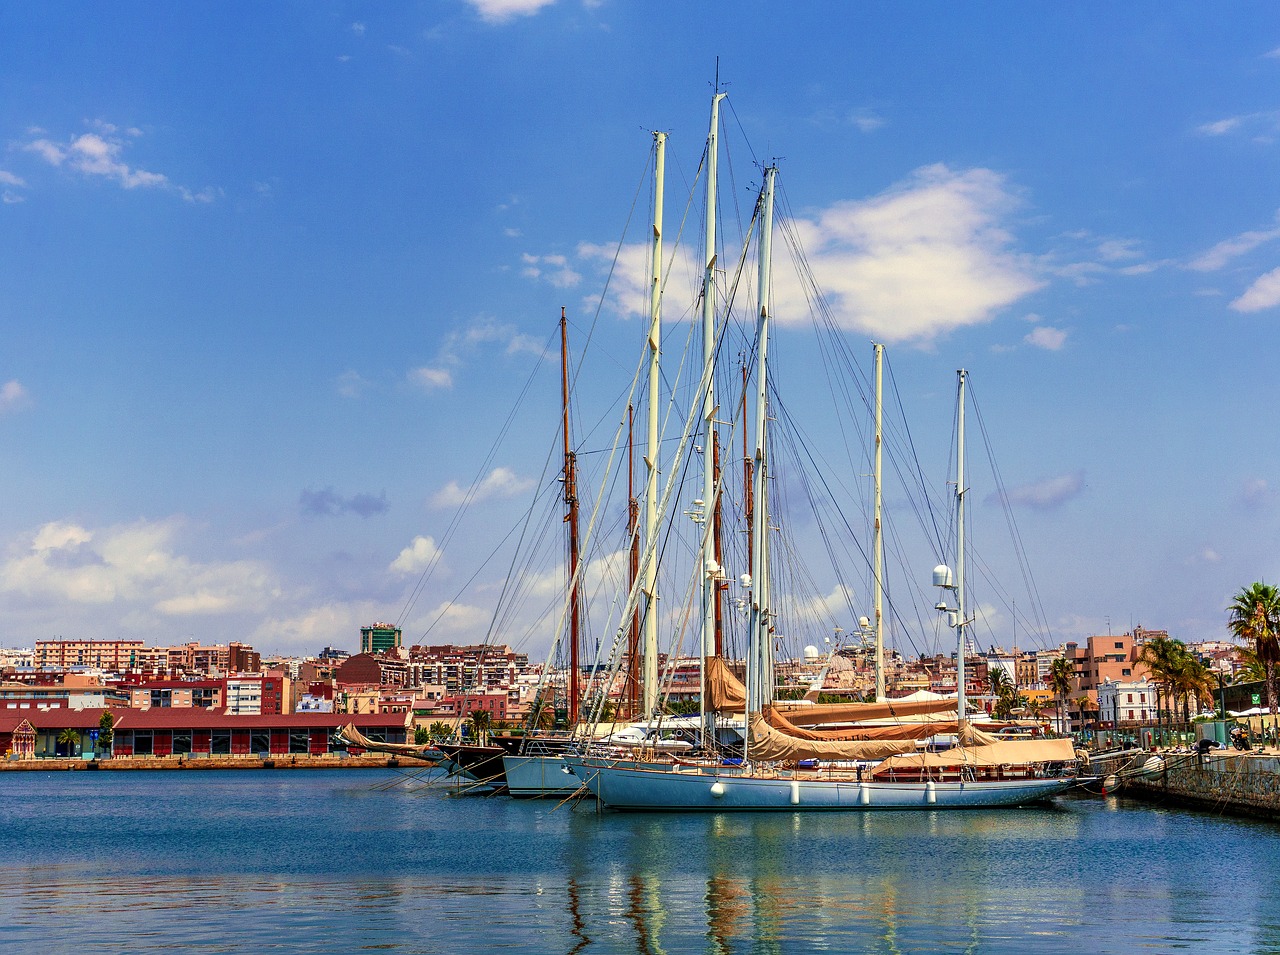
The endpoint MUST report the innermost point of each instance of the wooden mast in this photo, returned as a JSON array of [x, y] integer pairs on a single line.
[[571, 518], [632, 690]]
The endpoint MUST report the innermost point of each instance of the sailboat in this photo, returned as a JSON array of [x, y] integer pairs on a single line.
[[533, 767], [790, 763]]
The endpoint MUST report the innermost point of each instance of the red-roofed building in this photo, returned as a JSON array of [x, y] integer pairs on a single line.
[[167, 731]]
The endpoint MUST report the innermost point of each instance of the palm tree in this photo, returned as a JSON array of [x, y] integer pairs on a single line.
[[1060, 676], [1193, 682], [1254, 617], [1163, 658], [1003, 690], [439, 730], [480, 721], [70, 739], [1082, 704]]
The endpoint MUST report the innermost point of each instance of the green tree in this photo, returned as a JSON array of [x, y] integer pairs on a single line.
[[1254, 617], [480, 722], [106, 731], [1005, 693], [439, 730], [1060, 677], [1164, 659], [421, 735], [70, 739], [1194, 683]]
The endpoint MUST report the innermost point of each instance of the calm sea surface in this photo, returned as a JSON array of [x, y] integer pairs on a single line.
[[350, 861]]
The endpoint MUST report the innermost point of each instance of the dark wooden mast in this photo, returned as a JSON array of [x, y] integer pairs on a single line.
[[632, 686], [571, 518]]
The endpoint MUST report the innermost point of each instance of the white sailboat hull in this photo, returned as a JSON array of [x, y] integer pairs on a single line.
[[630, 787]]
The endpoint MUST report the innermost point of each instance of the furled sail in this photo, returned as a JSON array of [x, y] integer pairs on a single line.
[[768, 744], [782, 720], [356, 738], [997, 753], [725, 692], [815, 713]]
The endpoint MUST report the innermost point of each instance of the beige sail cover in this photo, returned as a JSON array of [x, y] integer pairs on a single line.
[[916, 729], [356, 738], [767, 744], [725, 692], [813, 714], [998, 753]]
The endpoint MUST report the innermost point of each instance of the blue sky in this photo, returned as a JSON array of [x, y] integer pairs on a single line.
[[274, 276]]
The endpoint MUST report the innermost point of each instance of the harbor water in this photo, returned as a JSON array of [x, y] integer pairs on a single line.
[[342, 861]]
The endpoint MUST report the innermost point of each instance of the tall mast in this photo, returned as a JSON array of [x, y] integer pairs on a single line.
[[747, 483], [710, 573], [758, 642], [877, 537], [633, 532], [651, 448], [571, 518], [960, 495]]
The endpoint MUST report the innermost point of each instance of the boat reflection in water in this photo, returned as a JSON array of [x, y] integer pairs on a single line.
[[337, 862]]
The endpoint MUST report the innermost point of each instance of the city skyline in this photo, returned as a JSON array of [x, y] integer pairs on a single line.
[[276, 277]]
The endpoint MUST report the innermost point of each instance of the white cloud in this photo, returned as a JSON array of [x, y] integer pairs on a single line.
[[866, 120], [462, 346], [130, 564], [552, 269], [417, 556], [431, 378], [502, 11], [1046, 494], [454, 617], [100, 154], [925, 257], [1263, 124], [929, 255], [1256, 493], [13, 395], [1220, 127], [9, 179], [500, 482], [1234, 247], [351, 384], [1264, 293], [329, 624], [1046, 337]]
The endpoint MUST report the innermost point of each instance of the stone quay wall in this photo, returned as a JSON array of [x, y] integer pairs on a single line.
[[1233, 783]]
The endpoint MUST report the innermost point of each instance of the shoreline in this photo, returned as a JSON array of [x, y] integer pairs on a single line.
[[171, 763]]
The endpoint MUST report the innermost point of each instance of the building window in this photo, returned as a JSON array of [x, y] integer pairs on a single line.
[[142, 743], [220, 743], [181, 742], [260, 742], [299, 741]]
